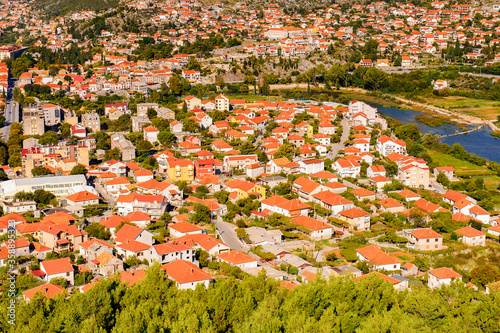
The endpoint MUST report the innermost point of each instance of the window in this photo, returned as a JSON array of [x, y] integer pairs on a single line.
[[67, 273]]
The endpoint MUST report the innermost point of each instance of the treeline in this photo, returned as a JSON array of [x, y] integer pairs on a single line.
[[258, 304]]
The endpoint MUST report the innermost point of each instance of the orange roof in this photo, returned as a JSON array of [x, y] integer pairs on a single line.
[[390, 203], [133, 246], [469, 232], [128, 232], [378, 257], [48, 290], [444, 273], [235, 257], [310, 223], [425, 233], [362, 192], [184, 227], [57, 266], [138, 216], [82, 196], [454, 196], [183, 271], [354, 213]]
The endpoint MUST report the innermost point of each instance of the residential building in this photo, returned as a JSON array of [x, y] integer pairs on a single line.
[[424, 239], [471, 236], [378, 258], [58, 268], [186, 274], [442, 276], [91, 120]]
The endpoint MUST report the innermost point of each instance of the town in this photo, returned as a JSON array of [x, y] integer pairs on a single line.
[[217, 142]]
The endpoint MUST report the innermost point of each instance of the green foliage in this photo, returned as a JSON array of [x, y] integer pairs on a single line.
[[78, 170], [484, 274], [96, 230], [349, 254], [49, 138], [263, 254], [83, 278], [391, 237], [363, 266], [40, 171], [60, 281], [201, 214]]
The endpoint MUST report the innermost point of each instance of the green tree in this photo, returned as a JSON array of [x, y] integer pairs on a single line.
[[97, 230], [175, 85], [60, 281], [49, 138], [79, 170], [40, 171], [167, 138], [43, 197], [201, 214]]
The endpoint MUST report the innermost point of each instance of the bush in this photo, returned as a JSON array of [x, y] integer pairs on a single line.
[[349, 254]]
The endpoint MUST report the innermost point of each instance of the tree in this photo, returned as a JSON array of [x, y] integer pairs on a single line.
[[175, 85], [97, 230], [408, 131], [286, 150], [49, 138], [40, 171], [442, 179], [152, 113], [191, 126], [113, 154], [60, 281], [53, 71], [484, 274], [78, 170], [201, 213], [43, 197], [144, 147], [167, 138]]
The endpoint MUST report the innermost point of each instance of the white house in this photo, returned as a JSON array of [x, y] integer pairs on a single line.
[[58, 268], [186, 274], [183, 228], [318, 230], [222, 103], [346, 168], [442, 276], [471, 236], [386, 146], [378, 258], [151, 134], [238, 259], [312, 165]]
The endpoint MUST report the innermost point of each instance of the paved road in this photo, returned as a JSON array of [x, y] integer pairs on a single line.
[[435, 186], [228, 234], [12, 115], [346, 128]]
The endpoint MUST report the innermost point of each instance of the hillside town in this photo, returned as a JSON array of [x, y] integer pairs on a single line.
[[128, 148]]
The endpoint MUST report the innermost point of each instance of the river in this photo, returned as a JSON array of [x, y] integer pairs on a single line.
[[479, 142]]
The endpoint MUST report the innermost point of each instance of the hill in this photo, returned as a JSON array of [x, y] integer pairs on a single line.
[[62, 7]]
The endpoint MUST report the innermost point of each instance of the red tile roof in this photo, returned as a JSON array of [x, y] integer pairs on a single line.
[[183, 271], [444, 273], [57, 266], [469, 232], [378, 257], [235, 257], [49, 290]]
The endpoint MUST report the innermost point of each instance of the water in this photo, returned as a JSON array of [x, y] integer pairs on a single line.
[[479, 142]]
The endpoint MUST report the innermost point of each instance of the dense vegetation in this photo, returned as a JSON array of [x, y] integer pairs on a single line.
[[259, 305]]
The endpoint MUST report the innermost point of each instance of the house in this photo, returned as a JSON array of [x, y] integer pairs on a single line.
[[245, 188], [238, 259], [375, 170], [448, 171], [362, 194], [386, 146], [471, 236], [222, 103], [19, 207], [168, 252], [205, 242], [138, 218], [132, 248], [186, 274], [379, 181], [58, 268], [317, 230], [238, 161], [390, 205], [92, 248], [83, 198], [378, 258], [61, 237], [278, 204], [176, 126], [306, 188], [151, 134], [48, 290], [442, 276], [20, 247], [183, 228], [424, 239], [154, 205], [409, 195], [312, 165], [132, 233], [346, 168], [106, 264], [179, 169], [357, 218], [142, 175]]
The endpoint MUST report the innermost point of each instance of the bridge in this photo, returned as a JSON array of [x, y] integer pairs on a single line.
[[465, 132]]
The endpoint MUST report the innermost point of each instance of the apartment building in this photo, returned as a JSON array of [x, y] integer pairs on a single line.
[[154, 205], [91, 120], [126, 147], [33, 121]]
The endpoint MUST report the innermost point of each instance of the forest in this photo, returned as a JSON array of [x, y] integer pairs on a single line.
[[259, 304]]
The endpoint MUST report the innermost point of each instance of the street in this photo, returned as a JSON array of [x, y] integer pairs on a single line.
[[228, 235], [345, 135]]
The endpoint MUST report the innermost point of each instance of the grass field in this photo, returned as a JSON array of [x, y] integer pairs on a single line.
[[461, 167], [481, 108]]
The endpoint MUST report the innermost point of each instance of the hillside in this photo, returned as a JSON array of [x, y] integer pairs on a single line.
[[61, 7]]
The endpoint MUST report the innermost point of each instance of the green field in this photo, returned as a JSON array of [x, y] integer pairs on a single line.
[[462, 168], [481, 108]]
